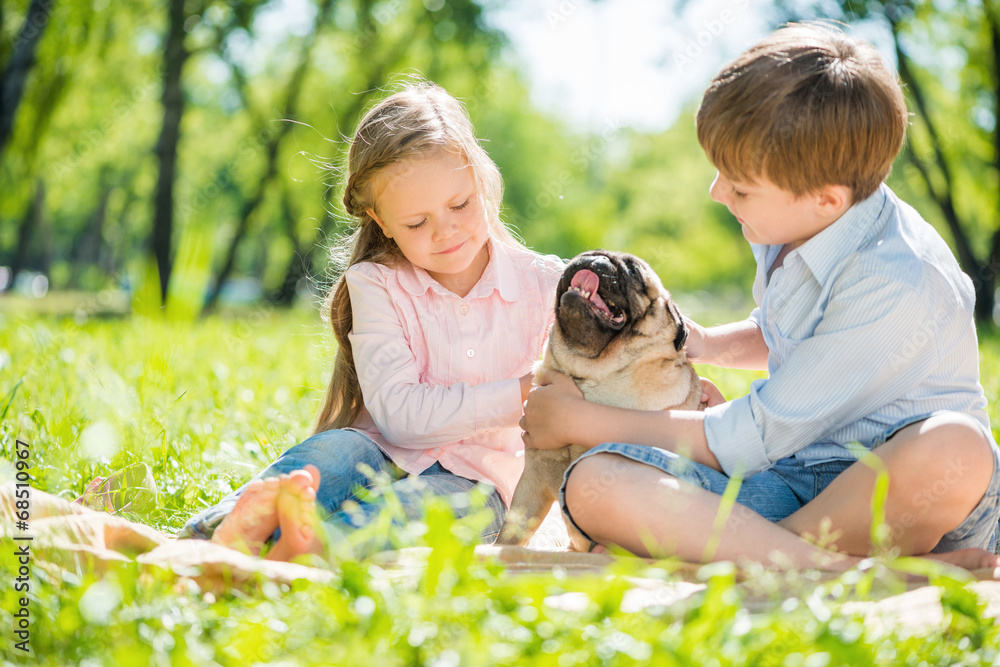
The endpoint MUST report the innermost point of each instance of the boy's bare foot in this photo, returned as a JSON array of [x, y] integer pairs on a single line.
[[297, 518], [253, 520], [970, 559]]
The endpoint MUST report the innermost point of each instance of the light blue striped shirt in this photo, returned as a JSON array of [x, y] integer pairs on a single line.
[[869, 327]]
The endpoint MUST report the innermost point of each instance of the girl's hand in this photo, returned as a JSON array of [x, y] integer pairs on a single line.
[[549, 412], [710, 394], [695, 345]]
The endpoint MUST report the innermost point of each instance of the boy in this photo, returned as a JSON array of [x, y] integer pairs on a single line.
[[864, 322]]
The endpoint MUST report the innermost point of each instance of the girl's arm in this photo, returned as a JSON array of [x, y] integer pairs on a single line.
[[410, 413], [556, 415], [736, 345]]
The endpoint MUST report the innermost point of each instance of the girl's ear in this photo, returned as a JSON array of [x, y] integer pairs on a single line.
[[378, 221]]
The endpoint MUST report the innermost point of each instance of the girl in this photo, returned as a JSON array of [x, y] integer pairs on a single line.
[[438, 317]]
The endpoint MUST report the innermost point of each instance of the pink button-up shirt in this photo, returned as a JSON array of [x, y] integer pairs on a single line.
[[439, 372]]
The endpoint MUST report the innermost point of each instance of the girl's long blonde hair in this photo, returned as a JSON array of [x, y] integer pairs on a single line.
[[406, 126]]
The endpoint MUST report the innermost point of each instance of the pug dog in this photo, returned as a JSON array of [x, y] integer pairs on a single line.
[[619, 336]]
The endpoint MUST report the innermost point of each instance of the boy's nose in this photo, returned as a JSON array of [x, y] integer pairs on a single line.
[[721, 190]]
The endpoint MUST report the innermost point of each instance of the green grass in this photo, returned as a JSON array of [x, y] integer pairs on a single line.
[[208, 404]]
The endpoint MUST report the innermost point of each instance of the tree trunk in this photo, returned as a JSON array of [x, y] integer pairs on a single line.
[[15, 75], [983, 274], [120, 247], [292, 93], [294, 270], [301, 263], [248, 209], [984, 311], [87, 248], [29, 223], [166, 147]]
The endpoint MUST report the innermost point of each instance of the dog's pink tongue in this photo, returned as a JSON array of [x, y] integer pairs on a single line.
[[589, 282], [586, 280]]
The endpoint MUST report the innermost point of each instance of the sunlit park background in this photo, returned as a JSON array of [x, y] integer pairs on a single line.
[[169, 189]]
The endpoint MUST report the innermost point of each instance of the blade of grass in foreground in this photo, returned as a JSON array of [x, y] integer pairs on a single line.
[[10, 399]]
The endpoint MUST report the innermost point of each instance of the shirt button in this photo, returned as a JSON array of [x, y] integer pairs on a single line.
[[470, 353], [464, 309]]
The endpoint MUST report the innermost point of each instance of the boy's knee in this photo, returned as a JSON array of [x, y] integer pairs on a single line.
[[956, 439], [582, 483], [954, 463], [593, 480]]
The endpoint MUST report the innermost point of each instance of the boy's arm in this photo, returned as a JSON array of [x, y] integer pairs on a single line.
[[556, 414], [877, 342], [736, 345]]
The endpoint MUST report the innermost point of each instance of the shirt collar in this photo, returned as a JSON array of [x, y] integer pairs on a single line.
[[499, 275], [824, 252]]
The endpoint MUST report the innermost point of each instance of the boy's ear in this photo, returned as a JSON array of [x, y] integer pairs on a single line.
[[833, 200], [378, 221]]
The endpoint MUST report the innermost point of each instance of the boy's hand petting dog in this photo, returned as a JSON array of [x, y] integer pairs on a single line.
[[550, 410], [710, 395], [694, 346], [553, 408]]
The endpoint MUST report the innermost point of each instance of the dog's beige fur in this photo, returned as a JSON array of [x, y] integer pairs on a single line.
[[642, 366]]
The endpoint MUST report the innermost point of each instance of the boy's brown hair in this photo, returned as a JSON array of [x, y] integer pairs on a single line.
[[808, 106]]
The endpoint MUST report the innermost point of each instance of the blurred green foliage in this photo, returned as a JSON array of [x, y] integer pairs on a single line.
[[92, 113], [298, 75]]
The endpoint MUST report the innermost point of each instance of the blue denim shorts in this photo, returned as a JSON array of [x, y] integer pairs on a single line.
[[789, 484]]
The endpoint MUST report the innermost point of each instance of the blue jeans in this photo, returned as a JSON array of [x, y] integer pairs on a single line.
[[338, 454]]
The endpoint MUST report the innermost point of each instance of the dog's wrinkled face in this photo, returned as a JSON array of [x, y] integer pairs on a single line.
[[608, 299]]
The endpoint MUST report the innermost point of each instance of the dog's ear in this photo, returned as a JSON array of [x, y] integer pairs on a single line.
[[682, 332]]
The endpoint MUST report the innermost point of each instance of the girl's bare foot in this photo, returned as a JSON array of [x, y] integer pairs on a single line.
[[253, 520], [297, 518], [92, 496]]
